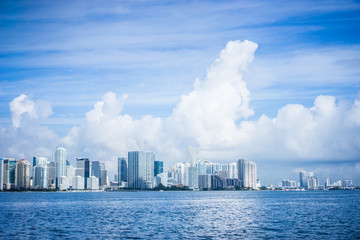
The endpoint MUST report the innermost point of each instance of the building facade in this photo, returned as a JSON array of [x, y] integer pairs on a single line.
[[122, 170], [83, 169], [247, 173], [9, 165], [60, 162], [22, 175], [141, 169]]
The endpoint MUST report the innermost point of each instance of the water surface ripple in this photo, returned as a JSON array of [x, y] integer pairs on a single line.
[[181, 215]]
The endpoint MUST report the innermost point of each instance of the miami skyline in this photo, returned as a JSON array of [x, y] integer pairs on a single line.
[[277, 83]]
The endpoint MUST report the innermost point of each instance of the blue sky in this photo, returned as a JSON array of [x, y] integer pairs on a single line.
[[71, 53]]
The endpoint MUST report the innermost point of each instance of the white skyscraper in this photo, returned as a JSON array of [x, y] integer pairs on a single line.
[[247, 173], [1, 174], [141, 169], [40, 173], [60, 161]]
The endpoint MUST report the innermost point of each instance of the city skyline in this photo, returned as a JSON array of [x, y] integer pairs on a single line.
[[279, 86], [146, 172]]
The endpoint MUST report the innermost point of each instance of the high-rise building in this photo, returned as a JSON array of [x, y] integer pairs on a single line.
[[51, 169], [141, 169], [1, 174], [60, 161], [247, 173], [193, 182], [22, 174], [9, 165], [204, 181], [328, 183], [158, 167], [303, 179], [217, 182], [98, 170], [313, 182], [83, 169], [93, 183], [78, 183], [122, 170], [40, 173]]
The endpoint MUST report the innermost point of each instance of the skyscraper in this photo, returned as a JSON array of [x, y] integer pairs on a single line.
[[40, 173], [60, 161], [83, 169], [98, 170], [9, 165], [122, 170], [51, 170], [247, 173], [141, 169], [303, 179], [22, 174], [1, 174], [158, 167]]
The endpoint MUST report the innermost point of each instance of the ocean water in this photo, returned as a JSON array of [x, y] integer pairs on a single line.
[[181, 215]]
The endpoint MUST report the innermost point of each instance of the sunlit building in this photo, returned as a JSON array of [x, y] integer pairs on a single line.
[[247, 173], [141, 169], [40, 173], [83, 169], [8, 173], [22, 175], [60, 161]]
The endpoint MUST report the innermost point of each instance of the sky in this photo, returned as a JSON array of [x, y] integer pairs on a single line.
[[277, 82]]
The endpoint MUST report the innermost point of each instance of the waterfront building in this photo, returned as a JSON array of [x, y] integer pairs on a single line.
[[78, 183], [60, 161], [122, 170], [158, 167], [51, 169], [93, 183], [303, 178], [141, 169], [217, 182], [83, 169], [64, 183], [162, 178], [232, 171], [313, 182], [1, 174], [234, 182], [247, 173], [9, 165], [98, 170], [204, 181], [22, 174], [193, 177], [40, 173]]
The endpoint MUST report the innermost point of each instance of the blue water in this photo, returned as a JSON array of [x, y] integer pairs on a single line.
[[181, 215]]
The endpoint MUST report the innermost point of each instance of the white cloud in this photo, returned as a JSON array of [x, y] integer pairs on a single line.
[[212, 117], [23, 106], [26, 137]]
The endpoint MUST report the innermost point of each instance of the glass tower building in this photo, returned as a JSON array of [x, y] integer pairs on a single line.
[[60, 161], [141, 169], [122, 170]]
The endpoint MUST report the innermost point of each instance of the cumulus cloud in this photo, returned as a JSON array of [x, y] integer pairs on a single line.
[[27, 137], [23, 106], [213, 117]]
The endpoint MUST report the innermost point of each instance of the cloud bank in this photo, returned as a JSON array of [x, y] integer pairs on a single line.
[[213, 117]]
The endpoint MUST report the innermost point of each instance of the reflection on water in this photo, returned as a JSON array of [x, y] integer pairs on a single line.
[[169, 215]]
